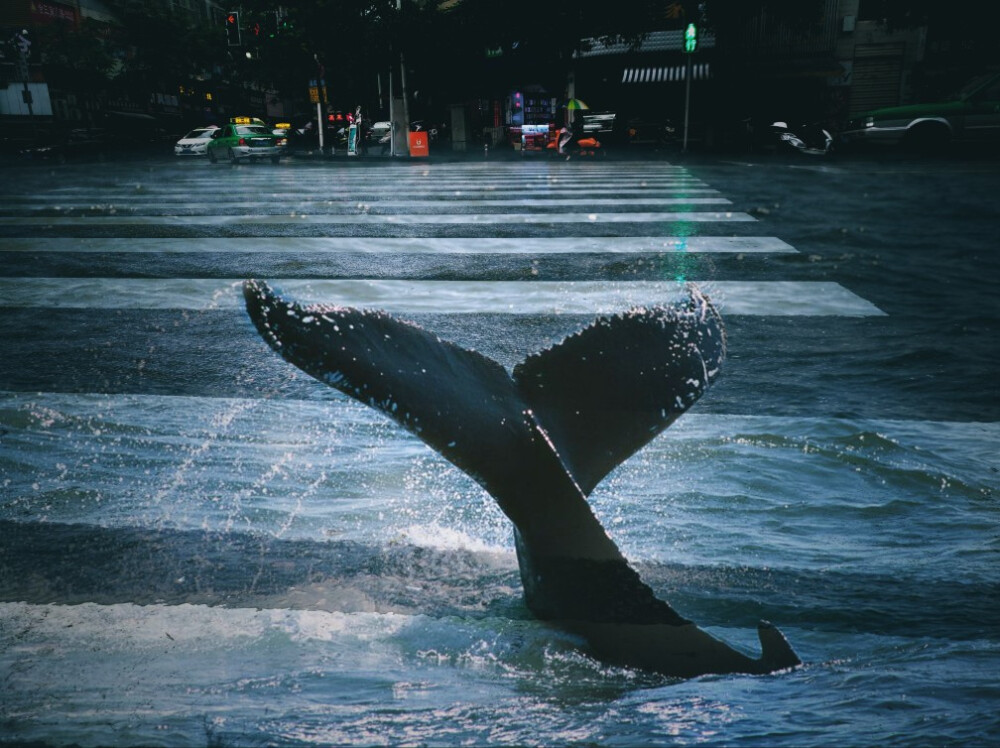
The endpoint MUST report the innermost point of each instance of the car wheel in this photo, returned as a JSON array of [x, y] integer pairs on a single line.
[[927, 138], [232, 157], [212, 157], [275, 159]]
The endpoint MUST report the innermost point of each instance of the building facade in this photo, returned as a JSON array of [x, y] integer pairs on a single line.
[[844, 62], [32, 102]]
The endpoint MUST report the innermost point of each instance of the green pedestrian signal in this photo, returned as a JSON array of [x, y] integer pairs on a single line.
[[690, 38]]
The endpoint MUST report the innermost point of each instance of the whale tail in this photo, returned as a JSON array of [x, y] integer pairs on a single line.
[[539, 439], [578, 409]]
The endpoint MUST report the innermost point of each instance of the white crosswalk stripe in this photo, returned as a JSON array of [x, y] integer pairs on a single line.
[[423, 245], [783, 298], [403, 219]]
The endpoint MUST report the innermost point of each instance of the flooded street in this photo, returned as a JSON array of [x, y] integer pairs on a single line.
[[202, 544]]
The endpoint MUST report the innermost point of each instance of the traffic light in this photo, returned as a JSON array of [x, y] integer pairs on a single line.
[[233, 28], [690, 38]]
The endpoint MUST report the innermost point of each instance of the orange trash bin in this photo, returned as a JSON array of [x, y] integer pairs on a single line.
[[419, 145]]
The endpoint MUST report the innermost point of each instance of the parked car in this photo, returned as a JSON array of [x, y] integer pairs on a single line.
[[238, 141], [285, 133], [76, 143], [968, 116], [195, 143], [136, 131], [379, 130], [646, 131], [599, 124]]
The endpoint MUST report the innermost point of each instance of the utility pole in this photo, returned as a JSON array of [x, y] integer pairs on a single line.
[[399, 111], [392, 115]]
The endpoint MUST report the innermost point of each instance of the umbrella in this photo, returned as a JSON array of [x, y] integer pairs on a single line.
[[576, 104]]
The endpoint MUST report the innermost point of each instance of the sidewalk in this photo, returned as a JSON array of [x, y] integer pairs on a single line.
[[444, 153]]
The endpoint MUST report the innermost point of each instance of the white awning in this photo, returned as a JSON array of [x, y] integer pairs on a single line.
[[666, 74]]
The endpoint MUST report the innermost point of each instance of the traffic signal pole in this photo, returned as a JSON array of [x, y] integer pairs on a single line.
[[320, 123], [690, 45], [687, 101]]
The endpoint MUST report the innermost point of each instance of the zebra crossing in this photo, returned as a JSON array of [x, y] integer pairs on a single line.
[[439, 240], [290, 205], [103, 296]]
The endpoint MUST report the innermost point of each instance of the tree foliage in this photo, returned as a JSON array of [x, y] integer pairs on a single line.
[[452, 48], [76, 60], [162, 48]]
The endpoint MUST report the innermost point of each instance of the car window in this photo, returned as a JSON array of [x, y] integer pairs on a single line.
[[970, 88], [991, 92], [251, 130]]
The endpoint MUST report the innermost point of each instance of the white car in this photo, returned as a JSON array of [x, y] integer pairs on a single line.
[[380, 130], [195, 143]]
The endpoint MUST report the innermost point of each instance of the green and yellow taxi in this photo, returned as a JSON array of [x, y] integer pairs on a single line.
[[245, 138]]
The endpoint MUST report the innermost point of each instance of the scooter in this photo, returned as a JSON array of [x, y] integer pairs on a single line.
[[566, 145], [811, 140]]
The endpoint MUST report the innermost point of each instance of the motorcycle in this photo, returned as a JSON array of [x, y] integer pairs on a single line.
[[566, 144], [811, 140]]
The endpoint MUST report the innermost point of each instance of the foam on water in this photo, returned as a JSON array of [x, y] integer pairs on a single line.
[[181, 675], [317, 470]]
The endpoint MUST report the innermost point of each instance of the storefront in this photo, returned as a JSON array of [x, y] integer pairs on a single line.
[[532, 121]]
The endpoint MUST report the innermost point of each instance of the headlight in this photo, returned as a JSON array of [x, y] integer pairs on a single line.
[[869, 122]]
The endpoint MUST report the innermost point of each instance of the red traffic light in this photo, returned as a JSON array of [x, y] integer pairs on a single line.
[[233, 28]]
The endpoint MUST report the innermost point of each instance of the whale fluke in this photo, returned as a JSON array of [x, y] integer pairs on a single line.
[[539, 440]]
